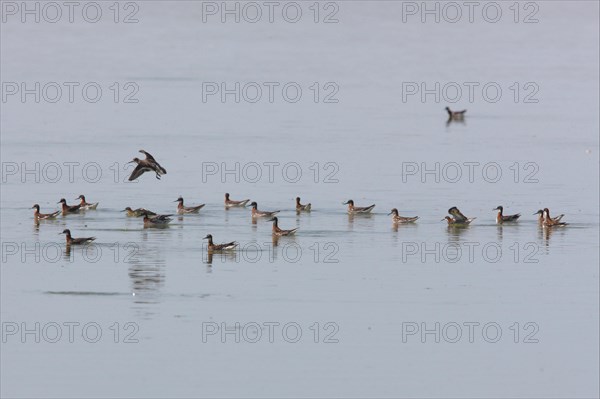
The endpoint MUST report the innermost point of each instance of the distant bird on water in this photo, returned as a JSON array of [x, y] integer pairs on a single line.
[[550, 221], [219, 247], [156, 220], [187, 209], [138, 212], [43, 216], [455, 115], [280, 232], [66, 209], [396, 218], [86, 205], [542, 216], [76, 241], [459, 218], [261, 214], [301, 208], [357, 209], [502, 218], [229, 203]]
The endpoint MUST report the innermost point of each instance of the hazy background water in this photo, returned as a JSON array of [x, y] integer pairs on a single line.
[[370, 280]]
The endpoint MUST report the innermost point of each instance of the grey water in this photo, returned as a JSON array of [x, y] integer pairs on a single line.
[[340, 104]]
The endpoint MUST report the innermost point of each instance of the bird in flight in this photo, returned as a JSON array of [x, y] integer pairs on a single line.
[[146, 165]]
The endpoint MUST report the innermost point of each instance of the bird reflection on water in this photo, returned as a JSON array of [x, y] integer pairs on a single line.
[[147, 274]]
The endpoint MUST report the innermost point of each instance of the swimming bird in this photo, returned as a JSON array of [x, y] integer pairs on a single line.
[[402, 219], [300, 207], [551, 222], [500, 218], [261, 214], [280, 232], [219, 247], [138, 212], [229, 203], [455, 115], [357, 209], [540, 212], [156, 220], [454, 222], [66, 209], [458, 216], [146, 165], [76, 241], [187, 209], [86, 205], [43, 216]]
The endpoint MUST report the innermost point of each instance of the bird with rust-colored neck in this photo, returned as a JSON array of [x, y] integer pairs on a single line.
[[68, 209], [83, 205], [352, 210], [229, 203], [396, 218], [76, 241], [501, 218], [280, 232], [219, 247], [187, 209], [541, 213], [302, 208], [43, 216], [551, 222], [261, 214]]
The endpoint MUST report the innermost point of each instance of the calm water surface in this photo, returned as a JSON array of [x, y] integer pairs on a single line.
[[374, 284]]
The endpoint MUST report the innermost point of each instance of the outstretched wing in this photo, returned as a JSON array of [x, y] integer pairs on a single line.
[[138, 171], [148, 156]]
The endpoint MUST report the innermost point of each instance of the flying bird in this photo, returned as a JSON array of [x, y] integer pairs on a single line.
[[146, 165]]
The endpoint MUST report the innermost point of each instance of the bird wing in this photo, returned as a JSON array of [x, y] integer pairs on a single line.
[[364, 208], [148, 156], [459, 215], [229, 245], [157, 167], [82, 240], [137, 172]]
